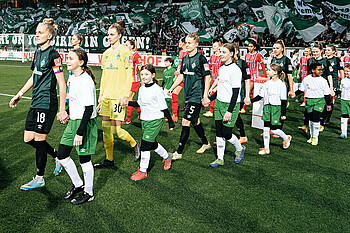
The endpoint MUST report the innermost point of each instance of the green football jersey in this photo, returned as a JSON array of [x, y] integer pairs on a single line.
[[325, 66], [46, 63], [335, 66], [194, 70], [168, 77], [285, 63]]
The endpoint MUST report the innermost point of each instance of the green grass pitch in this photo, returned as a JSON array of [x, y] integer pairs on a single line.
[[301, 189]]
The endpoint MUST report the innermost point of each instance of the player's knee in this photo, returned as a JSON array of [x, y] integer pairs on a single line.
[[106, 128], [185, 122]]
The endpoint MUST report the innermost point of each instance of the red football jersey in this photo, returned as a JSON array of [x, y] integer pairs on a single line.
[[136, 60], [253, 61], [214, 65], [303, 63], [181, 56], [346, 60]]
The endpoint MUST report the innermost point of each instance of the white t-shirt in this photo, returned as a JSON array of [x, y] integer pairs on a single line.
[[230, 76], [345, 88], [82, 93], [315, 87], [152, 101], [273, 92]]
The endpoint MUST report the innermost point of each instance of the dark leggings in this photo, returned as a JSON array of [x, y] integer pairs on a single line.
[[64, 152], [239, 123], [272, 127], [223, 131], [314, 116], [148, 146]]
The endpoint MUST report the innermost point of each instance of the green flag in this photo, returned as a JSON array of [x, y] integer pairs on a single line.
[[192, 10], [308, 29], [140, 19], [339, 25]]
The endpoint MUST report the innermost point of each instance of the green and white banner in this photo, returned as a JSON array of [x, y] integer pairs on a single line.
[[340, 7], [339, 25], [307, 9], [308, 29], [91, 43], [192, 10]]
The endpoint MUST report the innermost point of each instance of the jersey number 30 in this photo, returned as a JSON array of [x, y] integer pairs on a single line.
[[117, 108]]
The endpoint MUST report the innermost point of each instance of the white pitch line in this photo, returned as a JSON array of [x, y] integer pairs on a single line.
[[15, 66], [23, 97]]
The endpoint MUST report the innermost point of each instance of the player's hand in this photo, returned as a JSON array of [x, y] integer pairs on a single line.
[[14, 101], [170, 92], [205, 101], [64, 121], [98, 108], [329, 108], [247, 101], [62, 115], [78, 140], [283, 118], [124, 101], [227, 116], [332, 93], [291, 94]]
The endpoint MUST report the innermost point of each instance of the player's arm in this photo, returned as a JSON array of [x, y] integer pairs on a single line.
[[289, 65], [25, 88], [213, 87], [262, 64], [128, 81], [177, 82], [78, 139], [341, 69], [62, 114]]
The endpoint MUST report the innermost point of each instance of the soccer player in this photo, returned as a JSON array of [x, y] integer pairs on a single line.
[[227, 105], [317, 93], [214, 65], [255, 62], [47, 72], [336, 66], [136, 60], [196, 75], [153, 109], [346, 59], [280, 58], [81, 131], [302, 72], [274, 93], [115, 89], [168, 79], [345, 102], [177, 90]]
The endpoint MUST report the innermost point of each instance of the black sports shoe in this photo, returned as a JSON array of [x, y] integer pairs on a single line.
[[73, 191], [105, 163], [82, 198], [136, 151]]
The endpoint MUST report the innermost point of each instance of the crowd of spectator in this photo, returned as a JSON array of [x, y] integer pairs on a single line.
[[160, 31]]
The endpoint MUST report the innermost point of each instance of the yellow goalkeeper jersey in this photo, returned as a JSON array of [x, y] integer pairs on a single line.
[[117, 69]]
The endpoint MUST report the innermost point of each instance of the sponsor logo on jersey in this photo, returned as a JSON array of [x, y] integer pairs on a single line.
[[111, 67], [186, 72], [206, 67], [37, 72], [58, 61]]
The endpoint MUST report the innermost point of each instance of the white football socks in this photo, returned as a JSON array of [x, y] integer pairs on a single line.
[[72, 171], [266, 135], [220, 145], [145, 157], [344, 125], [88, 171]]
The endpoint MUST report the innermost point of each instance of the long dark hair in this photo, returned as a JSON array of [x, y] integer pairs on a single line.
[[82, 56], [151, 69]]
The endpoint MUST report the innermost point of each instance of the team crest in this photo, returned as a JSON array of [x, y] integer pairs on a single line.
[[118, 56], [42, 62], [193, 65]]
